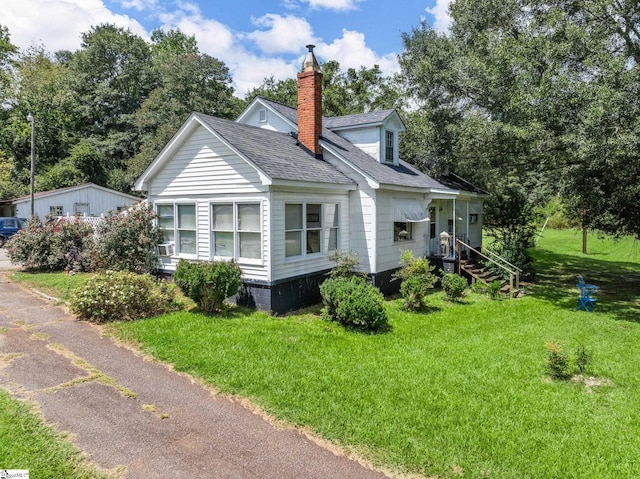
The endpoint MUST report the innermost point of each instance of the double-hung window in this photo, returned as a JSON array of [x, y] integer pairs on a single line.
[[236, 231], [389, 146], [177, 222], [310, 228]]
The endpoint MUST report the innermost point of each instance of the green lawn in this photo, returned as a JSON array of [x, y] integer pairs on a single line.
[[460, 391], [25, 443]]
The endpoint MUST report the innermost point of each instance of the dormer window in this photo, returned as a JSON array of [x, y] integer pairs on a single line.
[[388, 147], [263, 115]]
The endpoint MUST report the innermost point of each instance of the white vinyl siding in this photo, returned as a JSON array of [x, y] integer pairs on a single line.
[[204, 165], [367, 139], [272, 121], [389, 248], [96, 200]]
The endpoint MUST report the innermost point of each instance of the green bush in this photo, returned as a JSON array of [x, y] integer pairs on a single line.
[[122, 295], [454, 286], [127, 241], [54, 246], [346, 264], [582, 358], [493, 289], [208, 283], [353, 302], [417, 280]]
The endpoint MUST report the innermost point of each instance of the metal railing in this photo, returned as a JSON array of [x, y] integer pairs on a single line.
[[511, 269]]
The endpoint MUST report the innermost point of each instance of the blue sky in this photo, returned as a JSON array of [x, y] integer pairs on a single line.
[[255, 38]]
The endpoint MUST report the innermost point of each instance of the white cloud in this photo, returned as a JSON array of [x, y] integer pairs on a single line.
[[138, 4], [213, 37], [249, 71], [58, 24], [284, 33], [440, 12], [291, 4], [333, 4], [351, 51]]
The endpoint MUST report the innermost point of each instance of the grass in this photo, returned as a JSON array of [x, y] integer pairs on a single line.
[[460, 391], [58, 285], [25, 443]]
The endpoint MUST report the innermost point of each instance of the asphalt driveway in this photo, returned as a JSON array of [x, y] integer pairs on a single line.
[[140, 416]]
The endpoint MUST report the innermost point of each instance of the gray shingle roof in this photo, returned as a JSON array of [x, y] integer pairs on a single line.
[[276, 154], [374, 117], [401, 175]]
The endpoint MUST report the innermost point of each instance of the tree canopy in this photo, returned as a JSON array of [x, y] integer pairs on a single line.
[[544, 93], [103, 112], [343, 92]]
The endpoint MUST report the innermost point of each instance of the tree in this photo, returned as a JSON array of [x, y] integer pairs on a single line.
[[343, 92], [111, 76], [188, 81], [7, 52], [544, 92], [39, 86]]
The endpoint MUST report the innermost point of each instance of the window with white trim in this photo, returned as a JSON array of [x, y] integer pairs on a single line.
[[177, 222], [389, 144], [310, 228], [236, 231], [402, 231]]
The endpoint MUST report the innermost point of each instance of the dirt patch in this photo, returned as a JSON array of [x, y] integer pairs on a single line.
[[590, 383]]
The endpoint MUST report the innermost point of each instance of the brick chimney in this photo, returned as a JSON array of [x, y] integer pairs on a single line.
[[310, 104]]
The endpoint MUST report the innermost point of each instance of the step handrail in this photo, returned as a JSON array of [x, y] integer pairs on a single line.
[[515, 273], [500, 258]]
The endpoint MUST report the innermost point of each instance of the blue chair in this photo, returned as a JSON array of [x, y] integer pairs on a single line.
[[586, 300]]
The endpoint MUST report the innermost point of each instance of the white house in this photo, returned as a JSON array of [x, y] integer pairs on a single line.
[[279, 189], [87, 199]]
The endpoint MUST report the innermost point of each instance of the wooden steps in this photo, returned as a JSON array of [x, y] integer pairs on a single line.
[[479, 273]]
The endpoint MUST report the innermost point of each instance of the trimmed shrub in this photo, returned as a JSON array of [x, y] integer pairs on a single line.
[[208, 283], [127, 241], [122, 295], [417, 280], [454, 286], [353, 302]]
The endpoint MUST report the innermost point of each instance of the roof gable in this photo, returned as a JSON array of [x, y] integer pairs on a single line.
[[45, 194], [284, 159]]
